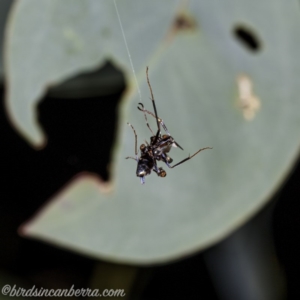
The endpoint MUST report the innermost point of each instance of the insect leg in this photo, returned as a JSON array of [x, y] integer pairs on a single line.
[[154, 107], [152, 114], [143, 110], [161, 121], [160, 171], [167, 158], [130, 157], [135, 138], [184, 160], [177, 145]]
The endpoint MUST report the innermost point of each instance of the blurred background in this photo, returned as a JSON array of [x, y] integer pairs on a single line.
[[258, 261]]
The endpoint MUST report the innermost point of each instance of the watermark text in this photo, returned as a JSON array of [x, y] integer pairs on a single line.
[[14, 291]]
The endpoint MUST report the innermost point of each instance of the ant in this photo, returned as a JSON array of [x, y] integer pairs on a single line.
[[159, 147]]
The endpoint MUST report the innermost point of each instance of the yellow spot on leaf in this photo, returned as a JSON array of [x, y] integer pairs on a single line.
[[75, 43]]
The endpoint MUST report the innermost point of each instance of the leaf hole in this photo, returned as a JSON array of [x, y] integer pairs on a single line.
[[80, 117], [247, 38]]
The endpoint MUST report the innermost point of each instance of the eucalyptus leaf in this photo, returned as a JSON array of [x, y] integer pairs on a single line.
[[49, 41], [205, 80], [4, 10]]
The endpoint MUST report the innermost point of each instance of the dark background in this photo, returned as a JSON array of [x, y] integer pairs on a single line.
[[80, 134]]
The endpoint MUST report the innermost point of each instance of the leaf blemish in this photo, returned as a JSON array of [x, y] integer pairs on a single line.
[[247, 38], [248, 102], [75, 43], [184, 21]]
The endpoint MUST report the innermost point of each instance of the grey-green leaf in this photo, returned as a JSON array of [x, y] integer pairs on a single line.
[[51, 40], [205, 82]]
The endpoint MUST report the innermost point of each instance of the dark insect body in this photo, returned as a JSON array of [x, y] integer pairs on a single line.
[[159, 147]]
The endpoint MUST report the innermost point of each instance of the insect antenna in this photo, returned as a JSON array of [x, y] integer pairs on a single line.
[[154, 106]]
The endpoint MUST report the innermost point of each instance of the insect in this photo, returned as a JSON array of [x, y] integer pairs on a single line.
[[158, 148]]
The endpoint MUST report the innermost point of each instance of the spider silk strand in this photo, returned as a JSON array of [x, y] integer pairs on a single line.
[[128, 52]]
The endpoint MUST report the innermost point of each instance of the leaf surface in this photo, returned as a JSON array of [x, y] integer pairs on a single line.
[[197, 78]]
